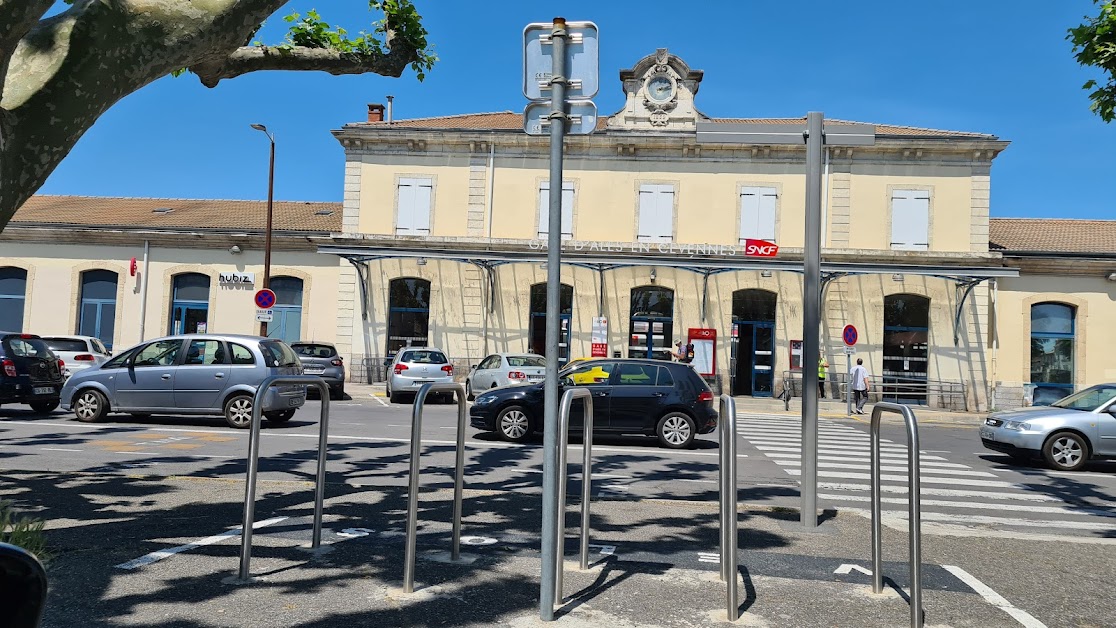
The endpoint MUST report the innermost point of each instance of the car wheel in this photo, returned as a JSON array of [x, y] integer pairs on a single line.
[[469, 391], [676, 431], [1066, 451], [43, 407], [281, 416], [238, 411], [90, 406], [513, 424]]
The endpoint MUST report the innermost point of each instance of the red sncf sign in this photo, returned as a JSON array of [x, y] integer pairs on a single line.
[[760, 248]]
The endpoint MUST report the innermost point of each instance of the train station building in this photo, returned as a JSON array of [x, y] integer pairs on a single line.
[[441, 240]]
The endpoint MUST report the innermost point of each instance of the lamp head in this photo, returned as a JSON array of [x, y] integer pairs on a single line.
[[259, 127]]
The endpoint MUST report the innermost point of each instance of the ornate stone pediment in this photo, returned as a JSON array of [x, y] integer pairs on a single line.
[[660, 92]]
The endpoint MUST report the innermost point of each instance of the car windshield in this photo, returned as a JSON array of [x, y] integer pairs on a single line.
[[313, 350], [424, 357], [526, 360], [27, 347], [1087, 400], [278, 353], [66, 344]]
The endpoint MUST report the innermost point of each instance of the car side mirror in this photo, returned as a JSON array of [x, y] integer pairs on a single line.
[[23, 587], [472, 367], [387, 361]]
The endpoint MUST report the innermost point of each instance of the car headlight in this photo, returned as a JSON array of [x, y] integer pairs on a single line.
[[484, 400], [1017, 426]]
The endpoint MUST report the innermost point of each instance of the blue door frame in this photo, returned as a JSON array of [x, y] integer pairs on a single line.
[[663, 352], [760, 360], [538, 321], [184, 316]]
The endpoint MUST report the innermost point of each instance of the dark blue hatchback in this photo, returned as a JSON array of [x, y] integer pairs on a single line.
[[30, 373], [630, 396]]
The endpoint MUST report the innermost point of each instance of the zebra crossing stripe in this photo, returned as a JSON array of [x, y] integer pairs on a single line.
[[942, 517], [868, 467], [830, 450], [867, 460], [1053, 510], [940, 492], [925, 480]]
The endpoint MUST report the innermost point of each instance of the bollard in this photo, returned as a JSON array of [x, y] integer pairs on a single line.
[[729, 558], [563, 473], [254, 464], [913, 504], [413, 480]]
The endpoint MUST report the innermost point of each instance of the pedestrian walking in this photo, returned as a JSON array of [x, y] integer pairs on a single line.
[[858, 378], [822, 366]]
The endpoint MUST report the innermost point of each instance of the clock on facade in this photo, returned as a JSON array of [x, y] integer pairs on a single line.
[[660, 88]]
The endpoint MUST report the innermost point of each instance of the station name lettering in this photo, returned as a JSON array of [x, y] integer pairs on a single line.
[[643, 248]]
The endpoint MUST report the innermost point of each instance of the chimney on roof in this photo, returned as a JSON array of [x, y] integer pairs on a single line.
[[375, 112]]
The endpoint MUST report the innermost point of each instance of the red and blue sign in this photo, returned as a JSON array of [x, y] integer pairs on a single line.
[[849, 335], [265, 299]]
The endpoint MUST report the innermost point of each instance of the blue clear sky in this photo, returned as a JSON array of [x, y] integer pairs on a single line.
[[990, 67]]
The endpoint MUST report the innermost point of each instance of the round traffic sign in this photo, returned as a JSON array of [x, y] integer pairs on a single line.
[[849, 335], [265, 299]]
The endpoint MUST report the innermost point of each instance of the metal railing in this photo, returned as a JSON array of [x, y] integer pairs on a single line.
[[563, 474], [254, 464], [945, 394], [914, 506], [413, 479], [729, 518]]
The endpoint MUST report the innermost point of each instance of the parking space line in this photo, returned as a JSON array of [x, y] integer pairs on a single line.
[[59, 449], [381, 401], [993, 598], [154, 557]]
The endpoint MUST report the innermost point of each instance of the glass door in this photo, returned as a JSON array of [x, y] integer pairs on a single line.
[[763, 359], [190, 318]]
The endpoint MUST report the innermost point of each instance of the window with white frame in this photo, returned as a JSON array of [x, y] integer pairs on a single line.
[[412, 216], [656, 213], [757, 213], [910, 220], [567, 209]]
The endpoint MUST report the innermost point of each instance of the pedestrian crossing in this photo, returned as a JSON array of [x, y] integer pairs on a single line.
[[956, 498]]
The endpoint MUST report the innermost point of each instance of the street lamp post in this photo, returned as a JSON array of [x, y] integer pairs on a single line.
[[267, 233]]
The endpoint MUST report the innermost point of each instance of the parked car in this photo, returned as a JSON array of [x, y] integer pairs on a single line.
[[78, 352], [30, 373], [414, 366], [1067, 433], [505, 369], [638, 396], [193, 374], [322, 359]]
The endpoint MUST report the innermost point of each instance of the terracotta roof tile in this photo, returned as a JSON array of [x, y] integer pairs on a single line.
[[1054, 235], [509, 120], [98, 211]]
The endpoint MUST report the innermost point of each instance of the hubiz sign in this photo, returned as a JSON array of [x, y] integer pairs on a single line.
[[237, 279]]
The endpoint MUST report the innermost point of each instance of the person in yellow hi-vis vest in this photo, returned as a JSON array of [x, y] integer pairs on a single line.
[[822, 365]]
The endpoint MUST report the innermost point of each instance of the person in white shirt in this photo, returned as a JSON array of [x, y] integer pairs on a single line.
[[859, 379]]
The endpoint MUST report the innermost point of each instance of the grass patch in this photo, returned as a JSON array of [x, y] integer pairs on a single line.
[[22, 531]]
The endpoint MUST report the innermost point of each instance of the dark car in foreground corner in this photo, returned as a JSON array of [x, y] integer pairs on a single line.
[[1067, 433], [630, 396], [322, 359], [30, 373]]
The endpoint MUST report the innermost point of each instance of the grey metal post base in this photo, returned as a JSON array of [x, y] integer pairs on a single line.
[[254, 464], [413, 478], [914, 506], [563, 474]]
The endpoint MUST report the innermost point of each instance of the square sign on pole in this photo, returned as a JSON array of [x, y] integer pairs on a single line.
[[582, 61], [582, 118]]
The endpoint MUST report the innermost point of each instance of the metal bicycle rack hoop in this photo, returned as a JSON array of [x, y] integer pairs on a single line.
[[254, 464], [914, 506], [563, 474], [413, 478]]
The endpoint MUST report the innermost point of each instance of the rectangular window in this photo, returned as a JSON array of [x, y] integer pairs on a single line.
[[656, 213], [413, 211], [757, 214], [910, 220], [567, 209]]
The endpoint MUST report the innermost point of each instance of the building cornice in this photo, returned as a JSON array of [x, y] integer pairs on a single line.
[[171, 238]]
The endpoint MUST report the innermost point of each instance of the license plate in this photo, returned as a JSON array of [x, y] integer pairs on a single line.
[[987, 435], [296, 401], [43, 390], [313, 371], [420, 382], [536, 378]]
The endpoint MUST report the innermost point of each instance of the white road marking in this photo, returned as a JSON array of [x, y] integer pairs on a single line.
[[922, 463], [846, 568], [868, 467], [993, 598], [154, 557], [1058, 510], [982, 519], [381, 401], [138, 453], [843, 452], [941, 492], [58, 449], [709, 557], [925, 480]]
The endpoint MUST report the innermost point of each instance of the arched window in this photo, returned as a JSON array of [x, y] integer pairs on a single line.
[[651, 323], [537, 324], [1053, 329], [97, 316], [13, 294], [408, 313], [753, 342], [906, 348], [190, 305], [286, 325]]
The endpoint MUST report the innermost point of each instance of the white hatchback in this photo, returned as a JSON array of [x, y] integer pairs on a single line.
[[414, 366], [78, 352]]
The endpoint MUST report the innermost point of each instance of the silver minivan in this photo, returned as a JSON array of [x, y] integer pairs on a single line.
[[208, 374]]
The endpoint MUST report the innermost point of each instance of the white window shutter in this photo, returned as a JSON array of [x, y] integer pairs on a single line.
[[765, 219], [404, 216], [656, 213], [567, 209], [666, 213], [647, 211], [749, 213], [910, 220], [413, 211], [757, 213], [544, 209], [421, 224]]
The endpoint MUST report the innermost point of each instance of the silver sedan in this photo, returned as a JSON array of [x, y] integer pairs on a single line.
[[1067, 433], [506, 369]]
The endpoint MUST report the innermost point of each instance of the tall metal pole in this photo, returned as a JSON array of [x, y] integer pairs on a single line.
[[550, 511], [811, 319], [267, 235], [849, 390]]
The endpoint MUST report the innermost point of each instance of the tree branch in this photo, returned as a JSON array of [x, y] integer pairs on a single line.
[[256, 58], [17, 17]]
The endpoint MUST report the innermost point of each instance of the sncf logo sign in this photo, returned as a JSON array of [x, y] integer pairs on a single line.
[[760, 248]]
